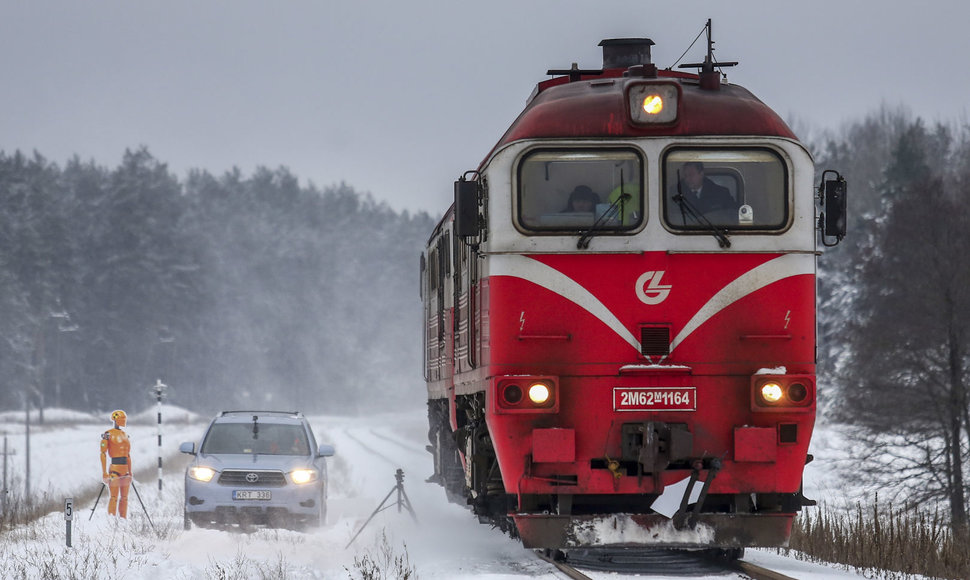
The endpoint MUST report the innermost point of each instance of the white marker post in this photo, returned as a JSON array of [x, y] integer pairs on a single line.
[[68, 517], [159, 389]]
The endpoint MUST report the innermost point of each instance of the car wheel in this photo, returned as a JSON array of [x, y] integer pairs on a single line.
[[186, 521], [320, 519]]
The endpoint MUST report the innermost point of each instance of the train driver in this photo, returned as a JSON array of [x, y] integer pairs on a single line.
[[700, 192]]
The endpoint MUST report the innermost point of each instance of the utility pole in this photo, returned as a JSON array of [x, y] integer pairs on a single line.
[[64, 324], [5, 490], [27, 447]]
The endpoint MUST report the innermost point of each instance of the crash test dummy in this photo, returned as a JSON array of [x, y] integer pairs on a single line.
[[117, 473]]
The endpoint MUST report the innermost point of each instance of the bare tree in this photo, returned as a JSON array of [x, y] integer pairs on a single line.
[[911, 340]]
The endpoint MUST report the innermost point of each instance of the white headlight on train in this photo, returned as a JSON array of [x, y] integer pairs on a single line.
[[539, 393], [771, 392]]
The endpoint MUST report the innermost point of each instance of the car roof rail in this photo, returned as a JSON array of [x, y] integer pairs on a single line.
[[260, 412]]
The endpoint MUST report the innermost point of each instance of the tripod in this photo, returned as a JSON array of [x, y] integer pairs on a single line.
[[402, 501], [138, 495]]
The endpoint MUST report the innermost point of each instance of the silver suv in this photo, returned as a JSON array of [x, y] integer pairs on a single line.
[[257, 467]]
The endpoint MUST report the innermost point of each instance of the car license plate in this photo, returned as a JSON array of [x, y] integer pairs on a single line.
[[252, 494], [655, 399]]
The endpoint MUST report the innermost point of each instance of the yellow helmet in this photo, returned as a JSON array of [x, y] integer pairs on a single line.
[[119, 414]]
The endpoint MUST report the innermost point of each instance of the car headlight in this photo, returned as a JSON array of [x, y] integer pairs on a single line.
[[202, 473], [300, 476]]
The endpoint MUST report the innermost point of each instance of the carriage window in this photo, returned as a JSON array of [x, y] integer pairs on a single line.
[[733, 189], [570, 190]]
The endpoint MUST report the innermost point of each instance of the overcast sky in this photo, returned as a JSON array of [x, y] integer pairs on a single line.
[[399, 98]]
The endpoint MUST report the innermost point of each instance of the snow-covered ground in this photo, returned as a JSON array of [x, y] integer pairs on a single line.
[[445, 543]]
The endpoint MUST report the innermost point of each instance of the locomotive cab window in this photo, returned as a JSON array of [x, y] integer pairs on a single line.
[[732, 189], [576, 190]]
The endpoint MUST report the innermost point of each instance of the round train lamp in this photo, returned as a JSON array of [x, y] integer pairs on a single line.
[[653, 104], [771, 392], [539, 393]]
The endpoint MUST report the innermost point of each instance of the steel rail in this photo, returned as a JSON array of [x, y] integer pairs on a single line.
[[566, 569], [756, 572]]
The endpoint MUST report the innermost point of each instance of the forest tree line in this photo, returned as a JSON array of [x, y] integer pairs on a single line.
[[894, 339], [235, 291]]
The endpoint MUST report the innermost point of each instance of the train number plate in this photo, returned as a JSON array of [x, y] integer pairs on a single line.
[[655, 399], [252, 494]]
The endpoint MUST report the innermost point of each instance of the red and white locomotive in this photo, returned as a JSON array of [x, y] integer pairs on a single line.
[[620, 314]]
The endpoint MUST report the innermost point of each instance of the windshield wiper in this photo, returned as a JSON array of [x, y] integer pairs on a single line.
[[688, 209], [611, 212]]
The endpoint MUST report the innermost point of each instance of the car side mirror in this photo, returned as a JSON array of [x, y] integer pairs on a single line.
[[188, 447], [326, 450]]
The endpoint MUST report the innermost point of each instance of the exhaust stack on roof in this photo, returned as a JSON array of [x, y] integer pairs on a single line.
[[625, 52]]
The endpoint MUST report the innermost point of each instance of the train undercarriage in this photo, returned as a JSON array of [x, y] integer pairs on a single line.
[[467, 467]]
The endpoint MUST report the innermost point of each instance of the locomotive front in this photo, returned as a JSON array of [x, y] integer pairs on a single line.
[[620, 315]]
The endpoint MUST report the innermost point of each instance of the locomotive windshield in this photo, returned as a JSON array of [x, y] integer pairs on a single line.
[[576, 190], [728, 189]]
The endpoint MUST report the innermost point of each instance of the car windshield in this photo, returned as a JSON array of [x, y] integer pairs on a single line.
[[268, 439]]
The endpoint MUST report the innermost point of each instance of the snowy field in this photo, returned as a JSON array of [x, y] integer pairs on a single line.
[[446, 543]]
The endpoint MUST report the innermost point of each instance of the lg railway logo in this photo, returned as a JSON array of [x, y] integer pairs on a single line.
[[649, 289]]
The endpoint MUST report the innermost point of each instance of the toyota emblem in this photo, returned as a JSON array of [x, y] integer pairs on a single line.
[[252, 477]]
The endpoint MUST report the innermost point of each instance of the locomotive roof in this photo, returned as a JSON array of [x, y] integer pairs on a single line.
[[595, 106], [593, 103]]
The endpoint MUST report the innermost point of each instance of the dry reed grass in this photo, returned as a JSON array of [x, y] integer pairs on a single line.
[[902, 542]]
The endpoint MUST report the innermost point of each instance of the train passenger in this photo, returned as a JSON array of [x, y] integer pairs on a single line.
[[582, 199], [629, 208]]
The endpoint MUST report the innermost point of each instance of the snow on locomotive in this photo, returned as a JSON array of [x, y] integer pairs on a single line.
[[620, 314]]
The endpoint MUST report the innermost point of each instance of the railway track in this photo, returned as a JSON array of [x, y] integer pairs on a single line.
[[416, 450], [758, 573], [370, 449], [655, 561]]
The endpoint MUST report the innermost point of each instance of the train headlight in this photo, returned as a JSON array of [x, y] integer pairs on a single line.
[[782, 393], [771, 392], [539, 393], [512, 394], [797, 392], [653, 103], [202, 473], [524, 394]]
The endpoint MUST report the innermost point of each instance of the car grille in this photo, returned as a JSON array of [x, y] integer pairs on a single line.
[[252, 477]]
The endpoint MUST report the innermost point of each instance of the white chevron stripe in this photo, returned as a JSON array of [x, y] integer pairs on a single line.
[[551, 279], [751, 281], [518, 266]]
